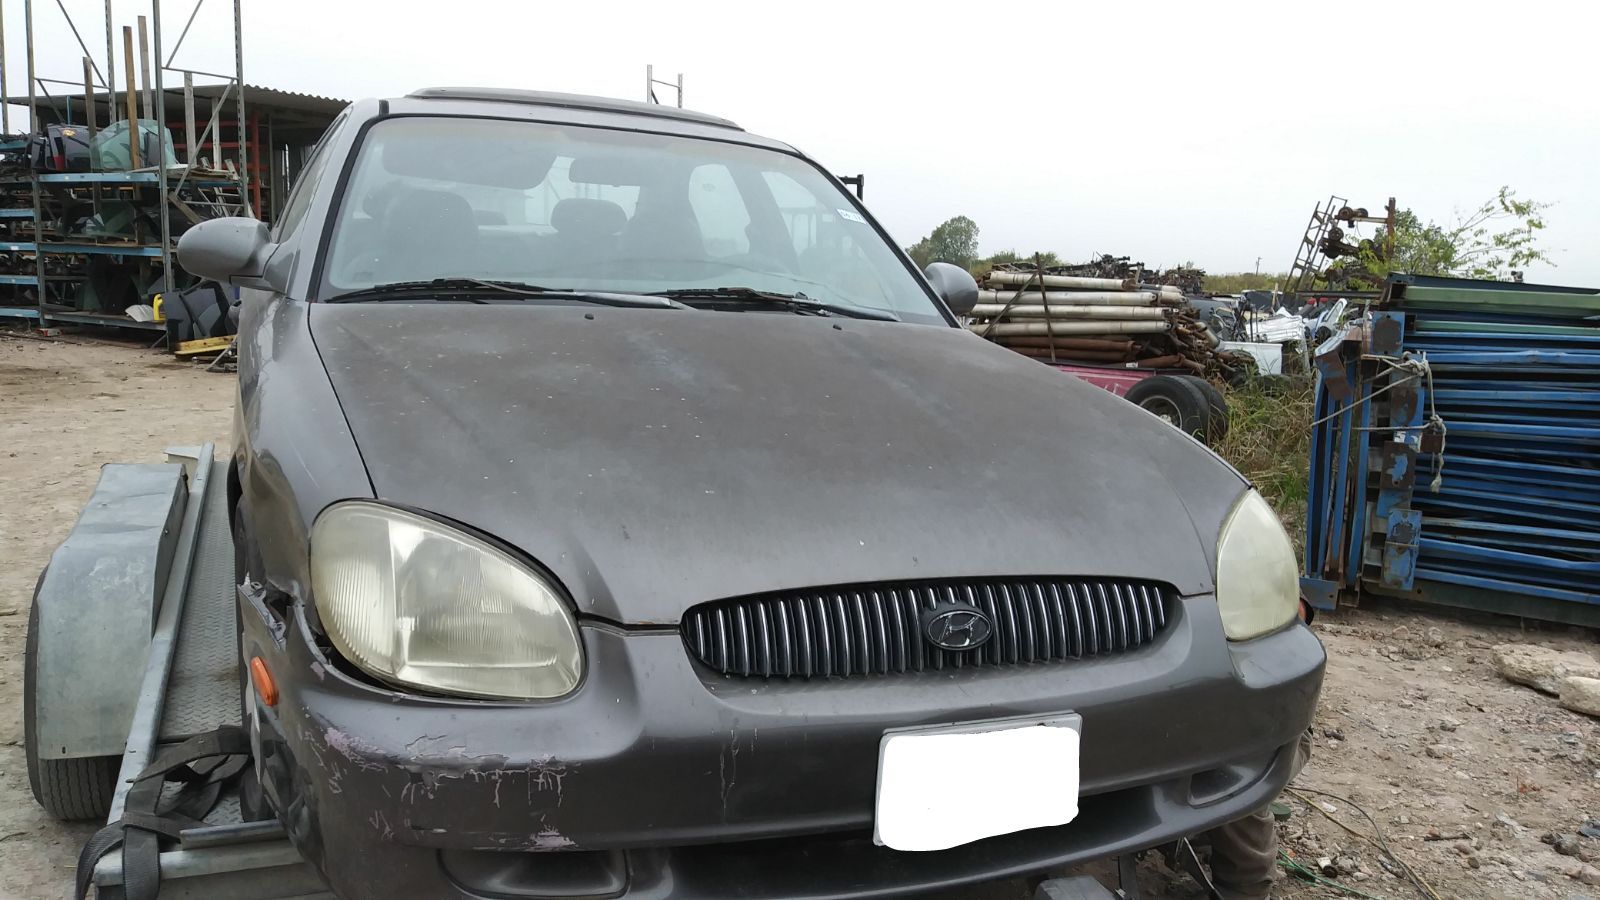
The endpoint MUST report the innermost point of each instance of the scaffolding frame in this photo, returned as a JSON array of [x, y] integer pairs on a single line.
[[650, 82], [154, 97], [1310, 255]]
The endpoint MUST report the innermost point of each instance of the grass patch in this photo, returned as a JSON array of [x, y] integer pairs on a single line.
[[1269, 440]]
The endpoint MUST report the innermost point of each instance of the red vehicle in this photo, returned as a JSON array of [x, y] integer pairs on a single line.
[[1186, 401]]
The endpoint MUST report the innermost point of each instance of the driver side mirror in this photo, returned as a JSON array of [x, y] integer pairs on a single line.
[[954, 285], [231, 250]]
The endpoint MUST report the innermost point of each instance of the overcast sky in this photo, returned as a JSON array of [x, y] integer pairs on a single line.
[[1178, 132]]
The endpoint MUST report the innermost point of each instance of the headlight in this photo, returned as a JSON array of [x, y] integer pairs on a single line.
[[1258, 582], [419, 603]]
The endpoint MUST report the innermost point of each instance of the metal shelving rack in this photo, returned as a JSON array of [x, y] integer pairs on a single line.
[[166, 181]]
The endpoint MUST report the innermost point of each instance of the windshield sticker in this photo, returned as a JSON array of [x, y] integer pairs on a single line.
[[850, 215]]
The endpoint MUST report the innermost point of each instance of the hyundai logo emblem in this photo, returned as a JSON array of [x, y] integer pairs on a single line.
[[957, 627]]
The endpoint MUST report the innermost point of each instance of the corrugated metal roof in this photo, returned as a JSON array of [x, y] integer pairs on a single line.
[[315, 107], [272, 97]]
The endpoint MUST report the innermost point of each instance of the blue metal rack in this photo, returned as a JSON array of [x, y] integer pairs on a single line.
[[126, 178], [1456, 452]]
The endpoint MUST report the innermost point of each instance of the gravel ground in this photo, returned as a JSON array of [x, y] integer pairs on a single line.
[[1463, 772]]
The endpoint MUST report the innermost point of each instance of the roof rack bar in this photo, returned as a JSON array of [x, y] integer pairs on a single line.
[[571, 101]]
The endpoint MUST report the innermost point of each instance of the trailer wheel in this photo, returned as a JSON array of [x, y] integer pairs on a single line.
[[1180, 403], [1217, 423], [68, 789]]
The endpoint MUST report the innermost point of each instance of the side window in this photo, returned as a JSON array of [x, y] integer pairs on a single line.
[[720, 210], [825, 240], [306, 185]]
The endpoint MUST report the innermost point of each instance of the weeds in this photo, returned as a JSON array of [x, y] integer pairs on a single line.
[[1269, 439]]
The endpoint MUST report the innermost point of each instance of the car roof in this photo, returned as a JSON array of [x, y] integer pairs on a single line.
[[578, 109]]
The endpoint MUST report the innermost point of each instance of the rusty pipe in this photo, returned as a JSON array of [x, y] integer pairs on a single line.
[[1105, 298], [1072, 343], [1160, 362], [1064, 281], [1088, 326], [1165, 290], [1065, 311]]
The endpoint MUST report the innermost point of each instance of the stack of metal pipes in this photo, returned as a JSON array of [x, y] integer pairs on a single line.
[[1104, 321]]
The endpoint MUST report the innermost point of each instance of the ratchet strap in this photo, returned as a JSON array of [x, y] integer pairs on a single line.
[[201, 766]]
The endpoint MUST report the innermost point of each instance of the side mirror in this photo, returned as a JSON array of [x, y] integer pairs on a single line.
[[232, 250], [954, 285]]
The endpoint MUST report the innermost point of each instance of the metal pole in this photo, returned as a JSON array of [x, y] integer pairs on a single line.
[[649, 83], [73, 25], [255, 183], [202, 72], [161, 152], [88, 97], [33, 97], [216, 110], [33, 124], [111, 69], [90, 115], [680, 90], [188, 116], [1388, 231], [272, 165], [179, 45], [145, 104], [5, 98], [239, 126]]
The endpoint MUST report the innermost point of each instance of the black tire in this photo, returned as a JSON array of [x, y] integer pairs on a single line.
[[1181, 403], [1217, 424], [68, 789]]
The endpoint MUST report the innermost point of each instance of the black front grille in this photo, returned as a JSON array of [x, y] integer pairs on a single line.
[[876, 629]]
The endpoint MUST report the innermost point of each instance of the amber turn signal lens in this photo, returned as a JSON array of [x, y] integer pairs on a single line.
[[265, 687]]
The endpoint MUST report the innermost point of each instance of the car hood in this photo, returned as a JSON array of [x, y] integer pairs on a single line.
[[656, 459]]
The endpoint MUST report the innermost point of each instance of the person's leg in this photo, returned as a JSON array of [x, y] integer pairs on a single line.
[[1244, 852], [1244, 855]]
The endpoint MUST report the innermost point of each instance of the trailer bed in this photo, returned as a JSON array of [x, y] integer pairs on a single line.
[[228, 859]]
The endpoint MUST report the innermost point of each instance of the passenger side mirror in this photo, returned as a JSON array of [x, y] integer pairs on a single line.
[[954, 285], [232, 250]]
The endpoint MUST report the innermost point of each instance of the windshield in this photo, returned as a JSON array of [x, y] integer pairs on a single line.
[[592, 209]]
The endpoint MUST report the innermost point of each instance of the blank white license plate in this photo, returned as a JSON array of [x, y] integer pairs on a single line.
[[947, 785]]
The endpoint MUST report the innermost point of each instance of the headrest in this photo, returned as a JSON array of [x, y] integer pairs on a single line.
[[582, 215], [430, 209]]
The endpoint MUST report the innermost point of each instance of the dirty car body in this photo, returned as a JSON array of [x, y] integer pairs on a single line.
[[611, 583]]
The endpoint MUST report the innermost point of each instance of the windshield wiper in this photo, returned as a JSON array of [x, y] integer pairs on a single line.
[[477, 287], [798, 302]]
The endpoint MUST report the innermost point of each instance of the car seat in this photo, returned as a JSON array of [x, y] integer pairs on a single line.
[[425, 235], [586, 233]]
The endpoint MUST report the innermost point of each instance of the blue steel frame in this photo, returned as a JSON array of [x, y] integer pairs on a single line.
[[1514, 527]]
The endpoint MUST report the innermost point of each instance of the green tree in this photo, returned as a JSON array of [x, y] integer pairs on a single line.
[[982, 267], [1235, 282], [955, 241], [1498, 237]]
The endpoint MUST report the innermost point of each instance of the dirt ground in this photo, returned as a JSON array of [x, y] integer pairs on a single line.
[[65, 409], [1463, 772]]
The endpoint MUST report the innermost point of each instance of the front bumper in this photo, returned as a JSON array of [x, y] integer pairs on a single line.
[[658, 779]]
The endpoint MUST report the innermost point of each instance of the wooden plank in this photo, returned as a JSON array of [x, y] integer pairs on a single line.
[[201, 346], [132, 102]]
